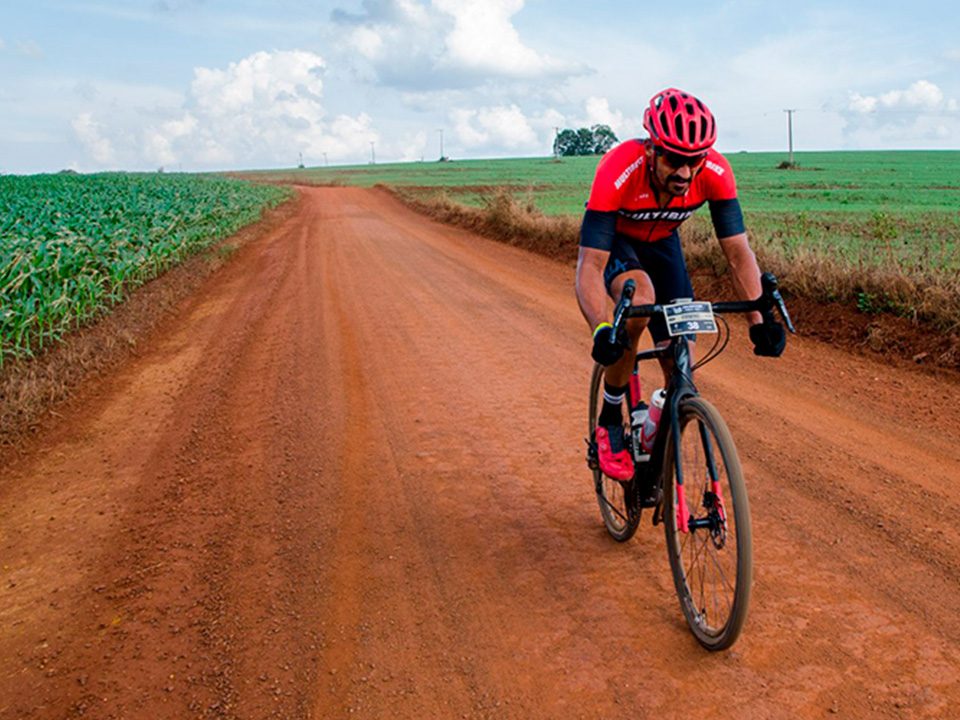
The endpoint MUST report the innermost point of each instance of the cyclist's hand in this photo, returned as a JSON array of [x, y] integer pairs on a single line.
[[605, 352], [769, 338]]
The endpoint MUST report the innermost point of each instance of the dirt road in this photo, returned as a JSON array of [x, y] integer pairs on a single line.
[[347, 480]]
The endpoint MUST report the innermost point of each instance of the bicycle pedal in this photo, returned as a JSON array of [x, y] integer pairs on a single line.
[[593, 457]]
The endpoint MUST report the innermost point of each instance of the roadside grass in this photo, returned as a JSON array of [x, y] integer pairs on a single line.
[[876, 231]]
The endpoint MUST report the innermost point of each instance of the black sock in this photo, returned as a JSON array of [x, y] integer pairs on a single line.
[[612, 412]]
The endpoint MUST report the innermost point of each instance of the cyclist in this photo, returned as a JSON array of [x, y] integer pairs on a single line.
[[642, 191]]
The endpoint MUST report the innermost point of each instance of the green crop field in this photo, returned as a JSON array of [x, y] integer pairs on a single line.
[[908, 182], [868, 207], [72, 245]]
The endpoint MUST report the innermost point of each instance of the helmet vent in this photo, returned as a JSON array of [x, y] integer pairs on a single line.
[[680, 121]]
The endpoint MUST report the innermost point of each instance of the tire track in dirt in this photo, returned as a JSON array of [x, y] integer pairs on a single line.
[[347, 480]]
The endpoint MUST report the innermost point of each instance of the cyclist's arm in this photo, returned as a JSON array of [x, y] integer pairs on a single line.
[[728, 223], [743, 270], [591, 292], [596, 238]]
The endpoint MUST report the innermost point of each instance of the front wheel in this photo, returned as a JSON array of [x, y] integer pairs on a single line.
[[617, 500], [707, 525]]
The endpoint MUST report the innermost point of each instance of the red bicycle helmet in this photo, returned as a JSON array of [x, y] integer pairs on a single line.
[[680, 123]]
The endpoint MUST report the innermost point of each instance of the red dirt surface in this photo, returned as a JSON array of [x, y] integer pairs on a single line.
[[347, 480]]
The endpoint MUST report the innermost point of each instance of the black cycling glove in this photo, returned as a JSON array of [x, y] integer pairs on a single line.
[[605, 352], [769, 338]]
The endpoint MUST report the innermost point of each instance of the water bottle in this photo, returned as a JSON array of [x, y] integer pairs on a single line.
[[649, 433], [638, 418]]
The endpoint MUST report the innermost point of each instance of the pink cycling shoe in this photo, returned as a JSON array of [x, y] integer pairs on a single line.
[[615, 460]]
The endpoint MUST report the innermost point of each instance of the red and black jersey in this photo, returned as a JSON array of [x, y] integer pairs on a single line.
[[622, 186]]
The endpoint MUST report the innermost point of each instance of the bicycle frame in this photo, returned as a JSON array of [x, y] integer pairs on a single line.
[[680, 387], [649, 475]]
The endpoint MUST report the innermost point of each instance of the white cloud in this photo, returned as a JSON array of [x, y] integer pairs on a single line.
[[597, 111], [368, 42], [863, 104], [484, 39], [30, 49], [412, 147], [27, 48], [919, 112], [446, 44], [500, 127], [90, 133], [920, 96], [158, 142], [262, 110], [289, 81]]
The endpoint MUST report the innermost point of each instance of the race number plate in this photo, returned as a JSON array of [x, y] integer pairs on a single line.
[[689, 318]]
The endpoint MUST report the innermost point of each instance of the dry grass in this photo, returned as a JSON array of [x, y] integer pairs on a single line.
[[30, 388], [503, 217], [891, 309]]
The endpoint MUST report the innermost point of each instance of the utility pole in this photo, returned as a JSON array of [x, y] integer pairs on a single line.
[[790, 130], [373, 154], [324, 159], [440, 130], [301, 161], [556, 134]]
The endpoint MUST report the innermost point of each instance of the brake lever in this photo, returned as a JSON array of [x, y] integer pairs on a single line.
[[782, 309], [771, 289], [626, 299]]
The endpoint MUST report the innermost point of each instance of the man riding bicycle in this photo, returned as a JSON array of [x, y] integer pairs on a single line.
[[642, 191]]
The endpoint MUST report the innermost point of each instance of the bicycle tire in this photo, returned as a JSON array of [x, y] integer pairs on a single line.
[[617, 499], [695, 557]]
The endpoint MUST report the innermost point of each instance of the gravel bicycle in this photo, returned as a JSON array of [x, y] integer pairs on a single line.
[[691, 476]]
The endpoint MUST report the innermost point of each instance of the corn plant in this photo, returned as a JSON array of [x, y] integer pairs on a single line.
[[72, 246]]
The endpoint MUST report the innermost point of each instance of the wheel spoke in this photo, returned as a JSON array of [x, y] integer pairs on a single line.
[[615, 499], [723, 575], [707, 561], [613, 508]]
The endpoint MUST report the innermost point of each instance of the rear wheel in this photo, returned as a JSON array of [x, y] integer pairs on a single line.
[[617, 500], [712, 561]]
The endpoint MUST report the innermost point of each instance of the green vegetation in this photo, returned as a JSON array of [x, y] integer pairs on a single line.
[[594, 140], [557, 186], [907, 183], [72, 245], [878, 230]]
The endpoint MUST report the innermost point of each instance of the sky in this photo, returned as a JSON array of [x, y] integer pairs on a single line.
[[215, 85]]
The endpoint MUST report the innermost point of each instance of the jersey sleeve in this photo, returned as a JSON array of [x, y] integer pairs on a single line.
[[718, 178], [727, 217], [598, 230], [613, 171]]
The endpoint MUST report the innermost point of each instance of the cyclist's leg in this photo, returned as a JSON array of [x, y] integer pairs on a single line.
[[664, 262], [624, 265], [612, 429]]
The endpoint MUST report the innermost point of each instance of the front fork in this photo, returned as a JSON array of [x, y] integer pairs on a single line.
[[682, 387], [716, 518]]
